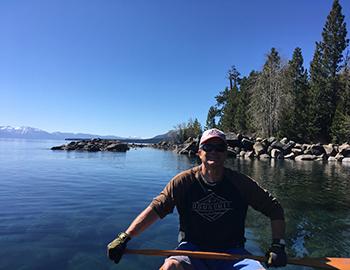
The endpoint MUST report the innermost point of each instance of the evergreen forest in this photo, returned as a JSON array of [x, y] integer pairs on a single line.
[[285, 99]]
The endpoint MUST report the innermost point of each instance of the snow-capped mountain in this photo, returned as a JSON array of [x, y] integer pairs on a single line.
[[35, 133]]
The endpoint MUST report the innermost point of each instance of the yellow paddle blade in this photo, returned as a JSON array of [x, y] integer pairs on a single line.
[[325, 263]]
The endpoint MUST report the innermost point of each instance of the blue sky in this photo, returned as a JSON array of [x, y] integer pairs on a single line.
[[138, 68]]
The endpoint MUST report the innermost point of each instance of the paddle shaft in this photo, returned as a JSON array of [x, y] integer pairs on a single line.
[[325, 263]]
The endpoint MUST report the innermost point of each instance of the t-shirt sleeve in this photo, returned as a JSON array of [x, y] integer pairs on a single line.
[[260, 199], [164, 203]]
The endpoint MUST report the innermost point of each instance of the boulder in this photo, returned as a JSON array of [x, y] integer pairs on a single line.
[[284, 140], [247, 144], [61, 147], [305, 157], [259, 148], [249, 154], [330, 150], [264, 156], [331, 159], [91, 147], [346, 160], [305, 147], [344, 150], [117, 147], [190, 146], [258, 139], [231, 152], [276, 153], [233, 139], [317, 149], [290, 156], [271, 140], [278, 145], [287, 148], [298, 145], [339, 157], [297, 151], [242, 153]]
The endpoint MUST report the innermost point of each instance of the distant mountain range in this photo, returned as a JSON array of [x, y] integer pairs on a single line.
[[35, 133]]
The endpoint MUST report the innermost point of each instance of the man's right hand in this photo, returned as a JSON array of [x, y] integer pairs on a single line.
[[115, 249]]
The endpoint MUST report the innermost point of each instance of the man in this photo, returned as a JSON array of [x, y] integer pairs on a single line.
[[212, 203]]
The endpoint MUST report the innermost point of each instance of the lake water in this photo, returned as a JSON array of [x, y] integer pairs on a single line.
[[58, 209]]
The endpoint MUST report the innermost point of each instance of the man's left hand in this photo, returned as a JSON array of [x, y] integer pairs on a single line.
[[276, 256]]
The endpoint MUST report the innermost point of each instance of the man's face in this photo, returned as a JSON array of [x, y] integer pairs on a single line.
[[213, 152]]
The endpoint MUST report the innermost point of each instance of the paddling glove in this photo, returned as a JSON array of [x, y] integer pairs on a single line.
[[115, 249], [276, 255]]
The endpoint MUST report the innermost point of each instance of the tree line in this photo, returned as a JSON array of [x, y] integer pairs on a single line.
[[287, 100]]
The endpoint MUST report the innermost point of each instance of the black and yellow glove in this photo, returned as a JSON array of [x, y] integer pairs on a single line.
[[115, 249], [276, 255]]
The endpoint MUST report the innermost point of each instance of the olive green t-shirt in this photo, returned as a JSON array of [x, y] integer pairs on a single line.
[[213, 216]]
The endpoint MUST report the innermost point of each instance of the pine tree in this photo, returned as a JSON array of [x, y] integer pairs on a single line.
[[227, 121], [212, 113], [340, 130], [295, 119], [325, 66], [228, 100], [243, 117]]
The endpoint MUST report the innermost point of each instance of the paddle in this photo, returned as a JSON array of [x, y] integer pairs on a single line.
[[325, 263]]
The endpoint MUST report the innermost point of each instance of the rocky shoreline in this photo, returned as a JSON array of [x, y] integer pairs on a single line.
[[239, 146]]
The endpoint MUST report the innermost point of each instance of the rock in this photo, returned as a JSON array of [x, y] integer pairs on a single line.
[[305, 147], [278, 145], [117, 147], [316, 149], [276, 153], [344, 150], [339, 157], [330, 150], [258, 139], [259, 148], [233, 139], [331, 159], [322, 157], [287, 148], [298, 145], [305, 157], [94, 145], [231, 152], [290, 156], [296, 151], [242, 153], [271, 140], [264, 156], [61, 147], [189, 140], [284, 140], [91, 147], [346, 160], [247, 144], [249, 154]]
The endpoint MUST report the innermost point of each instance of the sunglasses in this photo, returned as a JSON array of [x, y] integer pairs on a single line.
[[213, 147]]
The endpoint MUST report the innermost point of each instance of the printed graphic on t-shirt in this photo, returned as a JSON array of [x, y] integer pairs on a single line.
[[212, 207]]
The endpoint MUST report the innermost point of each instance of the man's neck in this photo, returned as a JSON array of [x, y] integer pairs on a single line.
[[212, 175]]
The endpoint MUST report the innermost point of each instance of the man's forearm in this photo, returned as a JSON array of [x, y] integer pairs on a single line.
[[142, 221], [278, 228]]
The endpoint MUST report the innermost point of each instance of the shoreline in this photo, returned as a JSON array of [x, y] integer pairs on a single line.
[[239, 146]]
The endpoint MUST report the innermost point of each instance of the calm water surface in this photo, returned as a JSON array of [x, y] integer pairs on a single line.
[[58, 210]]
